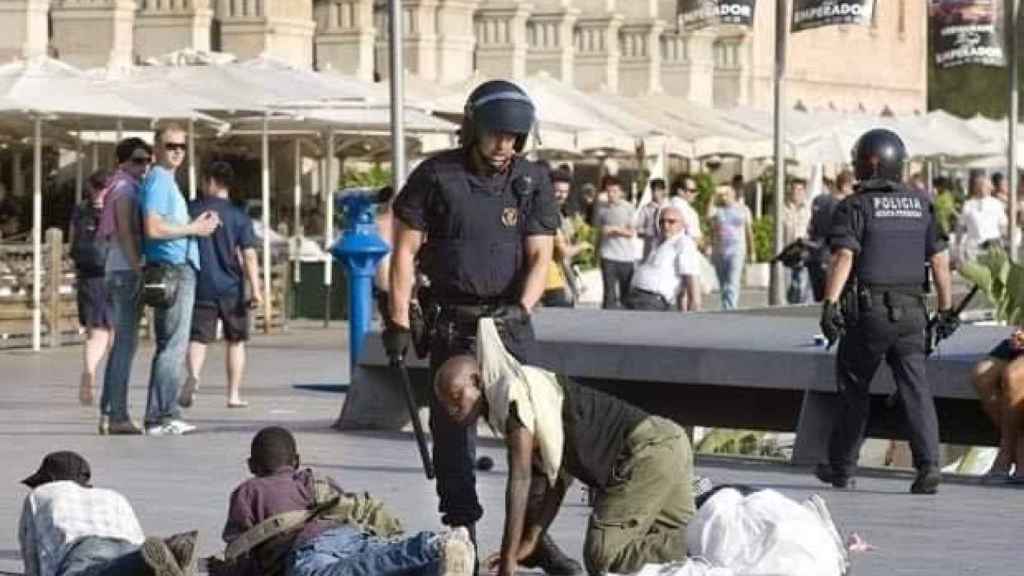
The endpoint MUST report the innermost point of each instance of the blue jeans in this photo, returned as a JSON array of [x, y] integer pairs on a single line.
[[729, 269], [172, 327], [123, 287], [95, 556], [346, 551]]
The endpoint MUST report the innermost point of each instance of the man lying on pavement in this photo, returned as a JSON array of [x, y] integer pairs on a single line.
[[69, 528], [287, 520], [638, 465]]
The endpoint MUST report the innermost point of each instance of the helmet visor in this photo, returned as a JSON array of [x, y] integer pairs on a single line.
[[513, 116]]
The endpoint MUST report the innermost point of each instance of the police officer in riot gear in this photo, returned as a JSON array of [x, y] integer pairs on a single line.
[[479, 221], [881, 239]]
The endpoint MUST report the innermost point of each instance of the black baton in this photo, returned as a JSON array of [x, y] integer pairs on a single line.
[[417, 427]]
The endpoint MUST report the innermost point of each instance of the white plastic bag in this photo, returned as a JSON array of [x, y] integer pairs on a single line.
[[767, 534]]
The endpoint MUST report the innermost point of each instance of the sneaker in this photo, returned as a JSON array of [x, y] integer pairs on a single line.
[[458, 556], [170, 428], [550, 558], [188, 392], [927, 481], [827, 474], [104, 426], [183, 547], [123, 427], [159, 558]]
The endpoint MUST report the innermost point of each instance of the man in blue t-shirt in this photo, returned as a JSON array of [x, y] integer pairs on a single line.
[[170, 240], [228, 259]]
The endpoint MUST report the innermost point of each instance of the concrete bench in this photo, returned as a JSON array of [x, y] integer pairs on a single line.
[[708, 369]]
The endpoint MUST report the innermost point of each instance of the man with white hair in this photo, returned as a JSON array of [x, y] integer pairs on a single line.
[[670, 274]]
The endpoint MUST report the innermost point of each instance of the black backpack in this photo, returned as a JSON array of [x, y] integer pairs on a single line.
[[88, 250]]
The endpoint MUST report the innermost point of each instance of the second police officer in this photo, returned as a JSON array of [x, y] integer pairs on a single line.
[[479, 223], [881, 239]]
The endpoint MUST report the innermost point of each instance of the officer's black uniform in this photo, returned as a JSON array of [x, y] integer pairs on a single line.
[[476, 221], [892, 232]]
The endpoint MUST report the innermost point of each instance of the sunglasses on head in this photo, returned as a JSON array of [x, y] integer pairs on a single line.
[[172, 146]]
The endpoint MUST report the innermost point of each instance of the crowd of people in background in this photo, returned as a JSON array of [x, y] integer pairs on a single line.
[[135, 233]]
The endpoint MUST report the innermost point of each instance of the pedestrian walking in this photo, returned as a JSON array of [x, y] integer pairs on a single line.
[[616, 226], [228, 260], [732, 243], [172, 253], [89, 253], [881, 238], [481, 220]]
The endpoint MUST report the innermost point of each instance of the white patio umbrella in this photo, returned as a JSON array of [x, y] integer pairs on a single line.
[[47, 90]]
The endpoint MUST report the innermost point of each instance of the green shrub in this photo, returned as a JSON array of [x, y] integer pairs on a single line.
[[375, 177], [764, 239], [945, 210], [587, 259]]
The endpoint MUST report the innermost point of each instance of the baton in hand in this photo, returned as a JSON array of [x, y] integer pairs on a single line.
[[417, 427], [932, 340]]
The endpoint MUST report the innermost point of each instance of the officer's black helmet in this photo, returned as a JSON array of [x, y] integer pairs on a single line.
[[497, 106], [879, 154]]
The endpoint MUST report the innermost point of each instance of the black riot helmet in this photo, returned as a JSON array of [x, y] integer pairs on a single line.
[[879, 154], [497, 106]]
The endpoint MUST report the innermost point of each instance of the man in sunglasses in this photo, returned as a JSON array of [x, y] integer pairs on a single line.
[[122, 231], [669, 275], [170, 240]]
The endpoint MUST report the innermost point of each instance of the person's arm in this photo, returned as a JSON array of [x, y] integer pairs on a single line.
[[27, 539], [691, 292], [159, 229], [838, 273], [126, 218], [252, 272], [749, 231], [403, 271], [517, 491], [538, 258]]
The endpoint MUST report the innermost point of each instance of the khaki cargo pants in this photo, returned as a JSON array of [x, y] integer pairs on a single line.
[[641, 516]]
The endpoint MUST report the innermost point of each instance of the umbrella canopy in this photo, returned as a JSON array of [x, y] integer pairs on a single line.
[[46, 86]]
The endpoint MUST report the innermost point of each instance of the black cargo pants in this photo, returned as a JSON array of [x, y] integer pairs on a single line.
[[454, 449], [890, 328]]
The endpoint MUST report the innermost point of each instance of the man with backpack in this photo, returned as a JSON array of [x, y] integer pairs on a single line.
[[89, 253], [121, 228]]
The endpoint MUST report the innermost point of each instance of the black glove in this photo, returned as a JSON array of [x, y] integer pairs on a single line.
[[946, 323], [509, 313], [396, 340], [832, 323]]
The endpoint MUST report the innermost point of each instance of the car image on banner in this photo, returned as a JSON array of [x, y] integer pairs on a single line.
[[810, 14], [697, 14], [967, 32]]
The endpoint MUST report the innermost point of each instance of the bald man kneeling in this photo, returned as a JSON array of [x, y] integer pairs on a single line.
[[638, 465]]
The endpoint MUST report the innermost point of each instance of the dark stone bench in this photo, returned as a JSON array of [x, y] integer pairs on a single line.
[[709, 369]]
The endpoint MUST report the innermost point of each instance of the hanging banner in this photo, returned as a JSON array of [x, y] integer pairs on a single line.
[[810, 14], [697, 14], [967, 32]]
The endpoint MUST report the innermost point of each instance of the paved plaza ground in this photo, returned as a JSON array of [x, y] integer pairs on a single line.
[[179, 483]]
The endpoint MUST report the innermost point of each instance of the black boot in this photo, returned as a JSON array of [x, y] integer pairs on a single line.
[[550, 558], [827, 474], [927, 481]]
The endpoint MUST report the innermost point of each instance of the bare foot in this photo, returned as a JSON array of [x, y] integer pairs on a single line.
[[237, 404]]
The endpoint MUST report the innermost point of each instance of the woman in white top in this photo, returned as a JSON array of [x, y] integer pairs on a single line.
[[982, 221]]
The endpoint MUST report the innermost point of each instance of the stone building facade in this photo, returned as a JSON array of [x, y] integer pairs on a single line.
[[630, 47]]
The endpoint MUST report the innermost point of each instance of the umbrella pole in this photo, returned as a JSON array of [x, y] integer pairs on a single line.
[[37, 233], [95, 154], [265, 177], [329, 186], [297, 209], [777, 289], [79, 168], [120, 130], [397, 95], [1011, 10], [192, 159]]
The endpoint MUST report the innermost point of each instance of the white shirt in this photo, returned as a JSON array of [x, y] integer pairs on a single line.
[[663, 270], [58, 514], [983, 219], [691, 220]]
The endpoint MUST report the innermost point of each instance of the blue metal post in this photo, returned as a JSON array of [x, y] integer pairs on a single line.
[[359, 249]]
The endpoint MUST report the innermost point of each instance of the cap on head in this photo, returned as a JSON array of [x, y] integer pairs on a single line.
[[879, 154], [497, 106], [58, 466]]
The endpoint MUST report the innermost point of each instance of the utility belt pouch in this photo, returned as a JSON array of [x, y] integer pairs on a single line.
[[160, 284], [849, 305]]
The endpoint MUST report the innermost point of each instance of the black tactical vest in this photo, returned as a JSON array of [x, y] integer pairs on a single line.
[[896, 225], [474, 251], [596, 427]]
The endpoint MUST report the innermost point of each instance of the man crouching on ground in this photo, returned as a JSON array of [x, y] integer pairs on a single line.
[[290, 521], [639, 465]]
